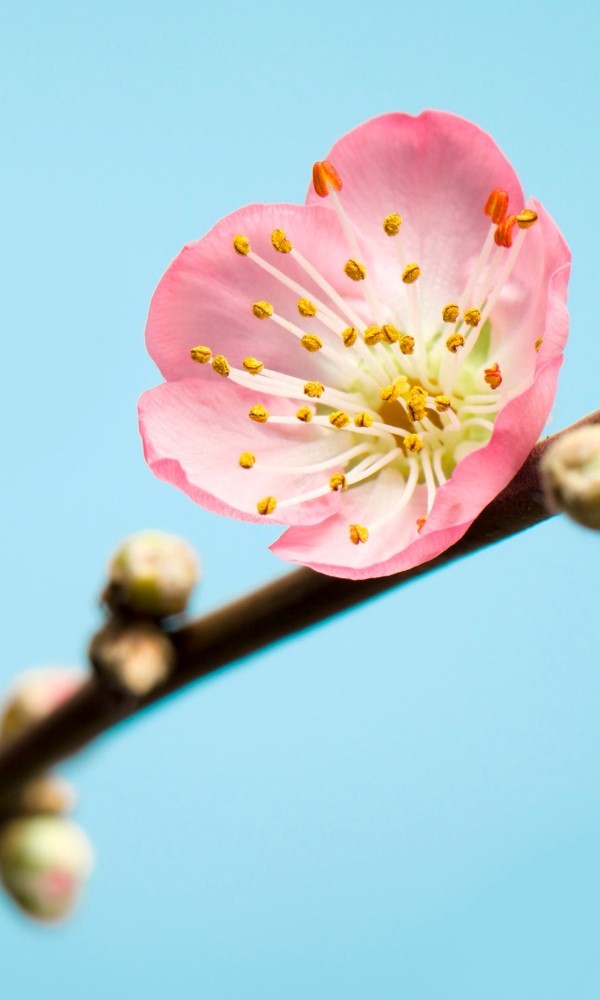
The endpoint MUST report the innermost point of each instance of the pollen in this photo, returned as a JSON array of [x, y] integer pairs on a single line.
[[496, 206], [242, 245], [306, 307], [252, 365], [247, 460], [420, 523], [455, 340], [526, 218], [267, 505], [337, 482], [201, 355], [311, 342], [472, 317], [503, 235], [349, 336], [538, 344], [259, 414], [372, 335], [390, 334], [413, 443], [262, 309], [402, 385], [325, 176], [358, 533], [417, 401], [389, 393], [363, 419], [392, 223], [280, 241], [450, 313], [442, 403], [493, 376], [305, 414], [339, 419], [410, 274], [220, 365], [355, 270], [314, 389], [406, 344]]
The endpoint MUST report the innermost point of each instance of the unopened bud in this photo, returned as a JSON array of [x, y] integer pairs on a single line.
[[570, 470], [44, 864], [34, 695], [47, 795], [151, 574], [135, 656]]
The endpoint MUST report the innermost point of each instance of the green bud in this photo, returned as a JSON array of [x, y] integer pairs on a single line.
[[44, 864], [152, 574], [34, 695], [570, 471]]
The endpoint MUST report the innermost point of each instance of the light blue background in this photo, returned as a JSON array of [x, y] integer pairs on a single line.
[[401, 804]]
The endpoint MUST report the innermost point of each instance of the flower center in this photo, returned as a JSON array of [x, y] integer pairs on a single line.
[[408, 396]]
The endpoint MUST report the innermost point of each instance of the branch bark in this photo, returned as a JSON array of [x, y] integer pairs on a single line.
[[235, 631]]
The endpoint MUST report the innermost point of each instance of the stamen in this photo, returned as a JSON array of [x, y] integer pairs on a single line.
[[503, 235], [247, 460], [472, 317], [358, 533], [267, 505], [339, 419], [363, 419], [389, 333], [372, 335], [405, 498], [437, 467], [349, 336], [242, 245], [201, 355], [305, 414], [389, 393], [497, 205], [421, 521], [538, 344], [417, 402], [355, 270], [493, 376], [410, 273], [337, 482], [429, 480], [407, 344], [392, 223], [413, 443], [280, 241], [526, 218], [454, 341], [259, 414], [221, 365], [450, 313], [262, 309], [442, 403], [325, 178], [311, 342], [314, 389], [252, 366], [306, 307], [340, 459]]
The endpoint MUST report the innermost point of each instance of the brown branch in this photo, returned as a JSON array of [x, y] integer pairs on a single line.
[[279, 610]]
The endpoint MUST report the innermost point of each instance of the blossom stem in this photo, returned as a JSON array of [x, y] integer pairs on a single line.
[[281, 609]]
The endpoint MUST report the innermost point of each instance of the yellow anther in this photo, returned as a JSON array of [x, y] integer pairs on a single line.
[[455, 340], [413, 443], [339, 419], [372, 335], [247, 460], [262, 310], [526, 218], [337, 481], [493, 376], [242, 245], [311, 342], [221, 365], [392, 223], [258, 413], [472, 317], [314, 389], [349, 336], [201, 354], [358, 533], [363, 419], [442, 403], [538, 344], [389, 333], [305, 414], [406, 344], [402, 385], [280, 241], [410, 273], [252, 365], [306, 307], [355, 270], [417, 402], [420, 523], [267, 505], [450, 313], [389, 393]]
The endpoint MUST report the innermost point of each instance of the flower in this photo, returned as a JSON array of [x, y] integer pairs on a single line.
[[369, 369]]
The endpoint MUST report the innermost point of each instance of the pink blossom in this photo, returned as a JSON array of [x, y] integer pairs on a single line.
[[395, 342]]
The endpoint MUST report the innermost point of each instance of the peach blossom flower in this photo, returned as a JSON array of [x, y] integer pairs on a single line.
[[371, 368]]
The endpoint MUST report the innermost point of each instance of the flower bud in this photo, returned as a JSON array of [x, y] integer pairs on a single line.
[[152, 574], [44, 863], [34, 695], [48, 794], [135, 656], [570, 470]]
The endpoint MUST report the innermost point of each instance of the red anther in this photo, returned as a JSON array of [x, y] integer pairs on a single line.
[[325, 176], [420, 523], [496, 206], [503, 234], [493, 376]]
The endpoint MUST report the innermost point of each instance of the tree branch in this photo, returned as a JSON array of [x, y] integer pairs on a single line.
[[276, 611]]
